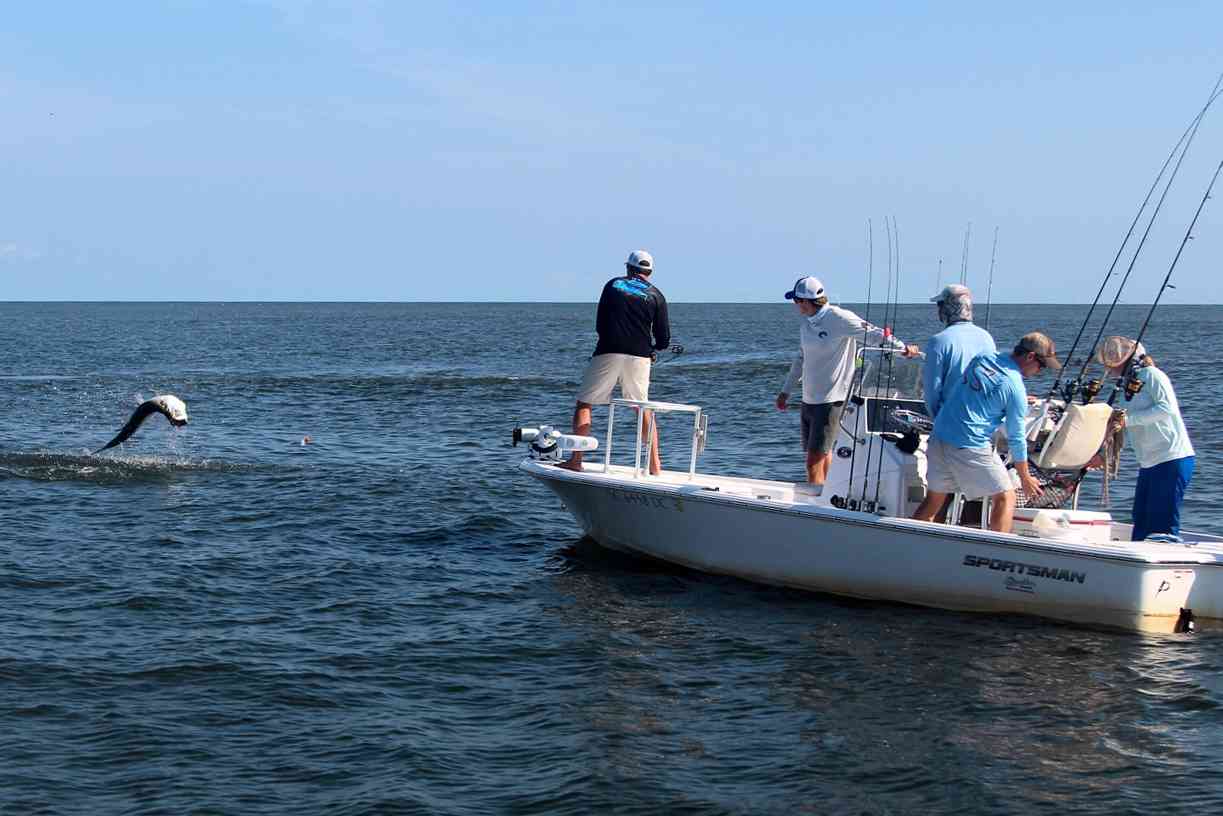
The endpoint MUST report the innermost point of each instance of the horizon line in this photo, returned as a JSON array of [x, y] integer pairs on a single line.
[[560, 302]]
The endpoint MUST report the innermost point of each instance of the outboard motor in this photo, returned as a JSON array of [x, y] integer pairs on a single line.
[[546, 443]]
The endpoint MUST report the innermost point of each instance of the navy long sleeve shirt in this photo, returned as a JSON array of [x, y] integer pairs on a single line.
[[631, 309]]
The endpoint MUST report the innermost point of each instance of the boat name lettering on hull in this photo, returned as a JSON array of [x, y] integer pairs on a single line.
[[1020, 568], [643, 500]]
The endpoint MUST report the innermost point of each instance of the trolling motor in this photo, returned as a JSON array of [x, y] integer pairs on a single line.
[[546, 443]]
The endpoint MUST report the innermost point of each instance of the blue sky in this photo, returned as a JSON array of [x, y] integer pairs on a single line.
[[476, 151]]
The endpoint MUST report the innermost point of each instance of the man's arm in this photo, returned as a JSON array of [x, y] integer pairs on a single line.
[[1161, 405], [662, 324], [792, 380], [1016, 413], [602, 326], [848, 324], [932, 377]]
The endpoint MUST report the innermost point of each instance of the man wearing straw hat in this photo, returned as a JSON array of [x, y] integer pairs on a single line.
[[1157, 434]]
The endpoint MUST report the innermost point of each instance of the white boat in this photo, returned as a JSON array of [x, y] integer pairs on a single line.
[[856, 539]]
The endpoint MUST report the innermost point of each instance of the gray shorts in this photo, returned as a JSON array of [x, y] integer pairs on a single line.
[[975, 472], [820, 425]]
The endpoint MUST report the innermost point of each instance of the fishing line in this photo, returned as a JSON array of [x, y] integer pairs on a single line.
[[1186, 140], [1127, 373]]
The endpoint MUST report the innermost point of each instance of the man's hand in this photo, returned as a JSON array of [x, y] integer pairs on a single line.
[[911, 350], [782, 399], [1118, 420], [1031, 488]]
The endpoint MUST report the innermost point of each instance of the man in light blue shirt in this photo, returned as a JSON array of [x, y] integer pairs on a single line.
[[959, 457], [1157, 434], [950, 351]]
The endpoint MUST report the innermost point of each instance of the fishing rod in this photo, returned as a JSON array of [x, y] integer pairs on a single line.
[[1072, 386], [887, 332], [1127, 379], [1186, 140], [857, 399], [676, 350], [964, 257], [989, 297], [870, 440]]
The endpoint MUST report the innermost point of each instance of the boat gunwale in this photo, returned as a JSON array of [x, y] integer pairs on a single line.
[[1142, 553]]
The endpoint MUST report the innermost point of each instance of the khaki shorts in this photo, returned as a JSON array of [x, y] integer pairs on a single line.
[[605, 370], [975, 472]]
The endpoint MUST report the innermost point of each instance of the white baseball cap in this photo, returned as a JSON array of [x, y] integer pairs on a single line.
[[808, 288], [640, 259], [951, 291]]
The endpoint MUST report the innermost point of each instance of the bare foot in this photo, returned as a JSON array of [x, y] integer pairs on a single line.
[[569, 464]]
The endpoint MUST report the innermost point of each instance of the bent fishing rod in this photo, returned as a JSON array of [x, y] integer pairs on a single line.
[[1189, 134], [1127, 381]]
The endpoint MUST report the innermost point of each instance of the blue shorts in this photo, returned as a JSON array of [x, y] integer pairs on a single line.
[[1158, 497]]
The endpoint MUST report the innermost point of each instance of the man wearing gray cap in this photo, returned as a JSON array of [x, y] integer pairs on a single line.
[[950, 351], [827, 349]]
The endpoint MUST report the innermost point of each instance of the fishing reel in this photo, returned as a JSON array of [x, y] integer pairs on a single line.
[[676, 350], [1091, 390], [1133, 386], [547, 443]]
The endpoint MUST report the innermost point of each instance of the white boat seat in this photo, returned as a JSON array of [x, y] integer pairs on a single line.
[[1078, 437]]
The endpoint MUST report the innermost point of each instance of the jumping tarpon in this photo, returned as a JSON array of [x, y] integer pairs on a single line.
[[168, 405]]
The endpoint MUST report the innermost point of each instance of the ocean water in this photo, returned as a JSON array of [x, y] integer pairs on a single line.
[[391, 619]]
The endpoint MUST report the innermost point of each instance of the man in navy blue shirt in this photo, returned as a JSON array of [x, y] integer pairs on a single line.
[[632, 323]]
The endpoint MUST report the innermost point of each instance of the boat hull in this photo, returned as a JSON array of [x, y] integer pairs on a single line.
[[789, 543]]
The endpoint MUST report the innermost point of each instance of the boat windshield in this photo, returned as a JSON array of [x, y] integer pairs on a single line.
[[887, 375]]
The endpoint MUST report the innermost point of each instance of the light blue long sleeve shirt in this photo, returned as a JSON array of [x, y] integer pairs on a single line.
[[990, 392], [947, 356], [1153, 421]]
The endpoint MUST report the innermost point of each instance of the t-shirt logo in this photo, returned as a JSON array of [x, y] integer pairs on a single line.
[[633, 287], [983, 376], [823, 334]]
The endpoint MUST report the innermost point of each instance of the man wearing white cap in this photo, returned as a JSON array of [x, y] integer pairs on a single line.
[[950, 351], [827, 348], [631, 309]]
